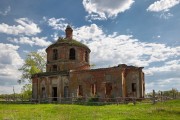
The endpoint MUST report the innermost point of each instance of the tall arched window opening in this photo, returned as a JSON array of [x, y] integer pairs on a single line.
[[93, 89], [55, 54], [66, 91], [72, 54], [80, 90], [86, 56], [43, 92]]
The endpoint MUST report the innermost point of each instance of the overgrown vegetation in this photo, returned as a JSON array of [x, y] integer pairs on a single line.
[[69, 42], [173, 93], [25, 95], [169, 110], [34, 63], [26, 91]]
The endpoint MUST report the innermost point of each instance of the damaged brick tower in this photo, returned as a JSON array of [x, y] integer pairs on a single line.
[[68, 74], [67, 54]]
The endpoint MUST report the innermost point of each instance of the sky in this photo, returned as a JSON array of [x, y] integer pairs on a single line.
[[142, 33]]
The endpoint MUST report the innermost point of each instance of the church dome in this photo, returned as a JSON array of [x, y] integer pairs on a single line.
[[67, 54]]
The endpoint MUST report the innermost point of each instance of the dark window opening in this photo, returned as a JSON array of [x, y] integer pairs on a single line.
[[54, 93], [80, 90], [43, 92], [133, 87], [108, 89], [144, 87], [43, 88], [54, 67], [86, 56], [55, 54], [72, 54], [66, 91], [93, 89]]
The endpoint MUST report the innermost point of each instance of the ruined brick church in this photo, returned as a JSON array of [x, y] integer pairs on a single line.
[[68, 74]]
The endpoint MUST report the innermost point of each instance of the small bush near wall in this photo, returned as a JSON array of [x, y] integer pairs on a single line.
[[93, 101]]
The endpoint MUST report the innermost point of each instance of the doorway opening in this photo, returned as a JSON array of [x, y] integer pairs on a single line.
[[54, 93], [133, 87], [43, 92], [108, 89], [80, 90]]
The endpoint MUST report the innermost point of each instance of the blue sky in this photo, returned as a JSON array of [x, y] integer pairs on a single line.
[[133, 32]]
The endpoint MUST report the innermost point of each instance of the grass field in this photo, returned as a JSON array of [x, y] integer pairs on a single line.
[[169, 110]]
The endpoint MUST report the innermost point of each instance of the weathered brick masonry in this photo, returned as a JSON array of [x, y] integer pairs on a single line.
[[68, 74]]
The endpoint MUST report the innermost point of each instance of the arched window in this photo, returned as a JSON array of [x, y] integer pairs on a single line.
[[133, 87], [72, 54], [55, 54], [43, 92], [93, 89], [80, 90], [66, 91], [86, 56]]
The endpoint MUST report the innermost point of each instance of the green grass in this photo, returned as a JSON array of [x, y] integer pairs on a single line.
[[169, 110]]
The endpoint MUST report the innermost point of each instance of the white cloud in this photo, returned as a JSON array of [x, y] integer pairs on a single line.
[[158, 36], [8, 89], [31, 41], [10, 61], [88, 32], [55, 36], [166, 15], [163, 84], [170, 66], [41, 41], [57, 24], [42, 51], [162, 5], [6, 11], [103, 9], [173, 62], [9, 55], [25, 26], [113, 49]]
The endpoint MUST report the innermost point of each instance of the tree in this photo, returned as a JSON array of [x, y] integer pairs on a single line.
[[34, 63], [26, 91], [171, 93], [92, 65]]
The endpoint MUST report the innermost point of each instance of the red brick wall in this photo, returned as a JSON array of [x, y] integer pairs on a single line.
[[63, 61], [99, 77]]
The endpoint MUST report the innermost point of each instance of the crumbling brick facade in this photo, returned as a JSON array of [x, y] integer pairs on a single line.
[[68, 74]]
